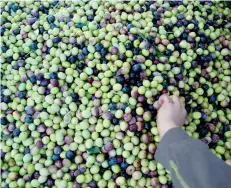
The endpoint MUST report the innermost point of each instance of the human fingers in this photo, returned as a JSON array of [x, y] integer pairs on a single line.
[[160, 101], [182, 102], [164, 99], [156, 105], [175, 100]]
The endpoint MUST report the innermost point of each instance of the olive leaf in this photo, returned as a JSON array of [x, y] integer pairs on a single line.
[[158, 53], [80, 25], [93, 149], [5, 137], [142, 35], [197, 43]]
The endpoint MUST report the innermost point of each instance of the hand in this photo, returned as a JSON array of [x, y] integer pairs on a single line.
[[171, 113]]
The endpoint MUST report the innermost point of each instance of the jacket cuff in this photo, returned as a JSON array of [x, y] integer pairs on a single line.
[[164, 150]]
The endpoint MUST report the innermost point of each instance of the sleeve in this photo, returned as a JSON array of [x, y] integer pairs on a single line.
[[191, 163]]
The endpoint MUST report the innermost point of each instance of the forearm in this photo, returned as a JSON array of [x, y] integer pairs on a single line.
[[190, 161]]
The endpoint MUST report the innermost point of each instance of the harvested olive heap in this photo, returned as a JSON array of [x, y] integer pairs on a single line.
[[79, 80]]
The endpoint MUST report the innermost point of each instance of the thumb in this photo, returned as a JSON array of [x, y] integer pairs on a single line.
[[163, 98]]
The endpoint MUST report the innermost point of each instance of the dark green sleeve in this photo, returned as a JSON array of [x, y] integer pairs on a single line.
[[191, 163]]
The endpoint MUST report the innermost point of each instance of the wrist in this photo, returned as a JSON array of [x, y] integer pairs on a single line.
[[165, 127]]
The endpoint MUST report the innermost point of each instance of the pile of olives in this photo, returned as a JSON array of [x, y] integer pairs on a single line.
[[79, 79]]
